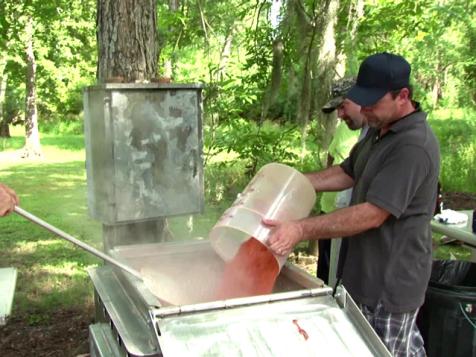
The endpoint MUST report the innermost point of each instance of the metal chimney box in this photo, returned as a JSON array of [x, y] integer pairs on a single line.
[[143, 151]]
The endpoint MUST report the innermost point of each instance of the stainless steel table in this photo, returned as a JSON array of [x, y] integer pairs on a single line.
[[461, 232], [8, 278]]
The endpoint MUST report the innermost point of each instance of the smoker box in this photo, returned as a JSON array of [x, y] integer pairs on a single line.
[[143, 151], [182, 318]]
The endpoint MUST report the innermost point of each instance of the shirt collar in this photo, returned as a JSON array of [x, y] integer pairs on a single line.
[[409, 120]]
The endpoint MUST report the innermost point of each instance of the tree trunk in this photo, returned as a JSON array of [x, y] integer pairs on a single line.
[[32, 147], [317, 66], [174, 5], [324, 70], [435, 92], [168, 71], [273, 88], [440, 74], [355, 12], [225, 54], [325, 75], [310, 24], [127, 40], [4, 128], [127, 44]]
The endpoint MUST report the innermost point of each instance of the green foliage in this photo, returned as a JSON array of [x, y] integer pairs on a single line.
[[456, 132], [437, 37], [65, 51], [73, 126], [13, 143], [256, 144], [226, 99], [223, 182]]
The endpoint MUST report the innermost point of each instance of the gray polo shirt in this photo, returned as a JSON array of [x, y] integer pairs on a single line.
[[399, 173]]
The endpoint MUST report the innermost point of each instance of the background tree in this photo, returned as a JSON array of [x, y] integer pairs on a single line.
[[127, 49], [64, 44], [32, 136], [265, 75], [9, 26], [433, 35], [127, 40]]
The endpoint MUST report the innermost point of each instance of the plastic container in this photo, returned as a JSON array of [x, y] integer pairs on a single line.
[[447, 319], [276, 192]]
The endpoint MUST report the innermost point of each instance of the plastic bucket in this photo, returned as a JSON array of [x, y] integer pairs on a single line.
[[276, 192], [447, 319]]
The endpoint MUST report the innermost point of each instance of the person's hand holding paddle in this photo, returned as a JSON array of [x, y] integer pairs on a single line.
[[8, 200]]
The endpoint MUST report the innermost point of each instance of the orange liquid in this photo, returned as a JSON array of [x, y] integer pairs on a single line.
[[301, 330], [253, 271]]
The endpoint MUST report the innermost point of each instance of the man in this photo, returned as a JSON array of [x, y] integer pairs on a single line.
[[343, 140], [394, 173], [8, 200]]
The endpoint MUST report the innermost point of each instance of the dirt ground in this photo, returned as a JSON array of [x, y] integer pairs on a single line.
[[65, 333], [459, 200]]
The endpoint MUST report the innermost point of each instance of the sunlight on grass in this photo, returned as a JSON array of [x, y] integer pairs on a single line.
[[54, 154], [55, 148], [23, 247], [69, 269], [17, 130], [51, 154], [223, 157]]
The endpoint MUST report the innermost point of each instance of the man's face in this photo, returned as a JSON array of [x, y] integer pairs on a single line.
[[386, 110], [349, 112]]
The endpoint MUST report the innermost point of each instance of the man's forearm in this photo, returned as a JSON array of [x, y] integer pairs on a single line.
[[343, 222], [331, 179]]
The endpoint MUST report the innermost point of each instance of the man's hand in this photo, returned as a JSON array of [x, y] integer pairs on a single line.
[[8, 200], [284, 236]]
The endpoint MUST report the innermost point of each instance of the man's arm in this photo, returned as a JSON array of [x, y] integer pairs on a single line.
[[8, 200], [344, 222], [340, 223], [332, 179]]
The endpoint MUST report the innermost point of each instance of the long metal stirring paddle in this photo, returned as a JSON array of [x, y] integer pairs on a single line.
[[77, 242]]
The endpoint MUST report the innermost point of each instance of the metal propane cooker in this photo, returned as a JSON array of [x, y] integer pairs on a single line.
[[143, 160]]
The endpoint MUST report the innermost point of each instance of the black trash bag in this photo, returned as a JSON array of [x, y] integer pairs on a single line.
[[449, 272]]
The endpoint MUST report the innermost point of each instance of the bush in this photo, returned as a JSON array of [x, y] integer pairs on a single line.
[[238, 149], [68, 126], [256, 145]]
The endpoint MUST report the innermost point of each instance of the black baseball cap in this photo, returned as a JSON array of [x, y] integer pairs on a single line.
[[379, 74]]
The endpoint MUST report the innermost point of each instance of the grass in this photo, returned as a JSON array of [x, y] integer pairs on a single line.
[[51, 271]]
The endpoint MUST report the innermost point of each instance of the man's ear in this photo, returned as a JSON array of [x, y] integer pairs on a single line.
[[404, 94]]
